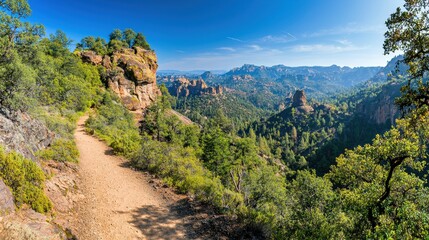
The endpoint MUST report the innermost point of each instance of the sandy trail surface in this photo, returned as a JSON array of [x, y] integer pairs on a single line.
[[119, 202]]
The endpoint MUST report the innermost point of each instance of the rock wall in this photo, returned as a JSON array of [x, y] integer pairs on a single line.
[[130, 73], [184, 87], [381, 108], [21, 133]]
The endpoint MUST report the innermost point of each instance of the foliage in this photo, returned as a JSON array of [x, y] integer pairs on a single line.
[[213, 165], [238, 109], [408, 29], [26, 180], [376, 186], [61, 150], [179, 167], [117, 39], [114, 124]]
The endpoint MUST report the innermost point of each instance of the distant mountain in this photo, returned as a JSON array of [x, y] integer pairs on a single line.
[[345, 76], [192, 73], [393, 68], [266, 87]]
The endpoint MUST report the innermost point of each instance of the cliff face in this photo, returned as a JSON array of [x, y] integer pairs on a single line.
[[21, 133], [184, 87], [381, 108], [130, 73]]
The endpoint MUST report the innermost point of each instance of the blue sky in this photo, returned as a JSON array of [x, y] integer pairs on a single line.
[[215, 35]]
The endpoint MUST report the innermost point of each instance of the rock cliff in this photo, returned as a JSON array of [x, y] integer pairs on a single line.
[[381, 108], [130, 73], [299, 101], [184, 87], [23, 134]]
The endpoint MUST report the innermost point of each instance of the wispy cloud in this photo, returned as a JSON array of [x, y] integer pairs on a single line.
[[230, 49], [344, 42], [348, 29], [235, 39], [278, 38], [255, 47], [326, 48]]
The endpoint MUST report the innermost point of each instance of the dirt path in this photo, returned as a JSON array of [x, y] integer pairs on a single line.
[[119, 202]]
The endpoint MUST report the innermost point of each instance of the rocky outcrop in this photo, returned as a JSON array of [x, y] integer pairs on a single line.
[[381, 108], [299, 101], [184, 87], [91, 57], [130, 73], [7, 205], [242, 78], [29, 225], [23, 134]]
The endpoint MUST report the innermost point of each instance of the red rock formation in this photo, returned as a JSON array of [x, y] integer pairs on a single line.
[[91, 57], [131, 74], [299, 102], [381, 108], [184, 87]]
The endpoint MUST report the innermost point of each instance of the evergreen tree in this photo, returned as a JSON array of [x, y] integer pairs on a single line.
[[140, 41]]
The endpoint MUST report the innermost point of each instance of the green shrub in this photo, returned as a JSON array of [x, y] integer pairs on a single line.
[[114, 124], [179, 167], [26, 180], [62, 124], [61, 150]]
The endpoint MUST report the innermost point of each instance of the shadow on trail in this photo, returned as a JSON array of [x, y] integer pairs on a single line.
[[163, 223]]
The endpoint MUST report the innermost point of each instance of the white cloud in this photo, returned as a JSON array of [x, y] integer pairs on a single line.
[[235, 39], [325, 48], [348, 29], [229, 49], [255, 47], [278, 38], [344, 42]]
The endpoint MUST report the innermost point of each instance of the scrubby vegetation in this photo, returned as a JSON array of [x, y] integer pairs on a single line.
[[61, 150], [114, 124], [26, 180]]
